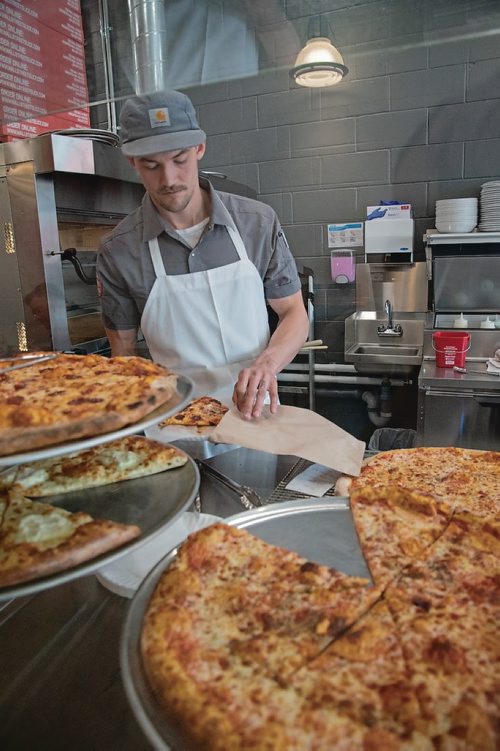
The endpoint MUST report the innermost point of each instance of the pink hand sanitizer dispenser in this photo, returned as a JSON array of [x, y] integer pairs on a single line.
[[343, 266]]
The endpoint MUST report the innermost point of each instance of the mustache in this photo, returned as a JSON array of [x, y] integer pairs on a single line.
[[165, 191]]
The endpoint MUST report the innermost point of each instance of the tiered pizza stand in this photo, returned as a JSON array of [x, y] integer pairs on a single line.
[[152, 503], [64, 684]]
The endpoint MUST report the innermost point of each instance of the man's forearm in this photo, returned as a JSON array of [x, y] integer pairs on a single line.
[[122, 341], [288, 338]]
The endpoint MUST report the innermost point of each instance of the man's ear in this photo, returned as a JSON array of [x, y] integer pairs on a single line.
[[131, 161], [200, 150]]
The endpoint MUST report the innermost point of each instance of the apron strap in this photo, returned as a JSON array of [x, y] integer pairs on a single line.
[[154, 250], [237, 242]]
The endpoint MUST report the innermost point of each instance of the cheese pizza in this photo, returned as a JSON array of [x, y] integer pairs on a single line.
[[123, 459], [74, 396], [248, 646], [200, 413]]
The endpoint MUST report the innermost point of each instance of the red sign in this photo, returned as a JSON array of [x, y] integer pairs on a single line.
[[43, 83]]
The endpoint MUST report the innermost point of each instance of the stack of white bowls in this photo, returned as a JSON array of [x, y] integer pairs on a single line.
[[490, 207], [456, 215]]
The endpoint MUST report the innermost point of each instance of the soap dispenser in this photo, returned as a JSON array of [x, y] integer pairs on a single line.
[[461, 323]]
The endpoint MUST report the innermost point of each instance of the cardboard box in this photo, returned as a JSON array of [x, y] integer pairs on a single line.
[[399, 211]]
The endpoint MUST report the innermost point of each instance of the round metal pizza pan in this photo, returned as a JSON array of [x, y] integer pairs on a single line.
[[182, 396], [321, 530], [152, 503]]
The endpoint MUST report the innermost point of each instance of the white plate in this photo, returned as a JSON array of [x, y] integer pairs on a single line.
[[185, 388], [125, 576]]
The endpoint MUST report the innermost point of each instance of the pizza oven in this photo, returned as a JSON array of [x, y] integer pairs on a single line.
[[59, 194]]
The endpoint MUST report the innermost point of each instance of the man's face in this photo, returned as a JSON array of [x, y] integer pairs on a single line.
[[170, 177]]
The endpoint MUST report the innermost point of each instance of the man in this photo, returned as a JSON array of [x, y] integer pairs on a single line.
[[192, 267]]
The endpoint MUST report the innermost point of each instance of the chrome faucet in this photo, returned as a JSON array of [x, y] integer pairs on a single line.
[[389, 329]]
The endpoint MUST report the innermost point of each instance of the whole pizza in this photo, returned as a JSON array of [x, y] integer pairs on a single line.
[[75, 396], [247, 646]]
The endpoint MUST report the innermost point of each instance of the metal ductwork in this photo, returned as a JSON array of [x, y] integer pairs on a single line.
[[148, 32]]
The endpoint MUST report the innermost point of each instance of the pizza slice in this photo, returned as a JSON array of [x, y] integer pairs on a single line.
[[395, 526], [463, 478], [37, 539], [446, 611], [202, 412], [124, 459]]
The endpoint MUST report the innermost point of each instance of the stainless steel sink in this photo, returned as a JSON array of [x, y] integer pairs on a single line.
[[387, 350], [372, 354]]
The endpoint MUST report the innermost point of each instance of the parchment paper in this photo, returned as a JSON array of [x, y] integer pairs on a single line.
[[296, 432]]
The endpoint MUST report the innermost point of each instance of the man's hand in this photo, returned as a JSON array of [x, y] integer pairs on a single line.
[[260, 378], [252, 386]]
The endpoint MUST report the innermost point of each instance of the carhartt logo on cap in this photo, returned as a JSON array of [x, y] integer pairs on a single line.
[[159, 117]]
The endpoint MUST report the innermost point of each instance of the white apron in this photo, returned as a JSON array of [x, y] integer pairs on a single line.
[[207, 324]]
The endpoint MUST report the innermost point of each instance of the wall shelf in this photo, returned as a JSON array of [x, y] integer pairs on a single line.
[[433, 237]]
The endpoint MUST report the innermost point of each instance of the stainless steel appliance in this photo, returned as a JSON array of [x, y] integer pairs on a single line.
[[58, 195], [455, 408]]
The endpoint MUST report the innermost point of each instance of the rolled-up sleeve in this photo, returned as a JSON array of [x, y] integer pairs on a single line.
[[118, 308], [281, 279]]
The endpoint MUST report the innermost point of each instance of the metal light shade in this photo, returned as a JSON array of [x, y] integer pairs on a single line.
[[319, 63]]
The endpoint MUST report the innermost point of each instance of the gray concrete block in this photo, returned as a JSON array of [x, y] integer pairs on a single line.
[[358, 168], [350, 98], [289, 174], [391, 129], [320, 266], [423, 163], [281, 203], [465, 122], [217, 151], [482, 158], [384, 62], [228, 116], [427, 88], [486, 46], [263, 145], [299, 105], [208, 93], [329, 133], [305, 239], [484, 79], [324, 206], [448, 53]]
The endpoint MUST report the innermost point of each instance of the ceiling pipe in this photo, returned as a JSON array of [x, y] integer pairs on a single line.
[[147, 20]]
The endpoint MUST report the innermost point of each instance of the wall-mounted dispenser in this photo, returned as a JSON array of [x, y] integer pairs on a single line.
[[343, 266]]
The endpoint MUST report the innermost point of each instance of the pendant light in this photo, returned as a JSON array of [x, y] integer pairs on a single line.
[[319, 63]]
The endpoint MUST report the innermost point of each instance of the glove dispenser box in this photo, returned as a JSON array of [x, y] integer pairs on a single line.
[[389, 236]]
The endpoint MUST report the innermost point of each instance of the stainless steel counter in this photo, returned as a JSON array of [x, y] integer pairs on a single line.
[[61, 686], [431, 376]]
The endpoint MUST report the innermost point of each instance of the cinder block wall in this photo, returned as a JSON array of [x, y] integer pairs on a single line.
[[416, 119]]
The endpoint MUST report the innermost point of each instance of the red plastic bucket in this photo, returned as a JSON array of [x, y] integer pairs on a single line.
[[450, 348]]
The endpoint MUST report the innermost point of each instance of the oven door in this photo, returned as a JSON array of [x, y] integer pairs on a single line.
[[468, 419]]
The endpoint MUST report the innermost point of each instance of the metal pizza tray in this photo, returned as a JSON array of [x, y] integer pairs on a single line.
[[152, 503], [179, 400], [321, 530]]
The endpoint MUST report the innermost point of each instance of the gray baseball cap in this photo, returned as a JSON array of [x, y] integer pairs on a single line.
[[162, 121]]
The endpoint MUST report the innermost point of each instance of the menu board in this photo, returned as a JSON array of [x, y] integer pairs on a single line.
[[43, 82]]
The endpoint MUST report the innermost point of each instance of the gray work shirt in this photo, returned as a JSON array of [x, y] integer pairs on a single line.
[[125, 270]]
